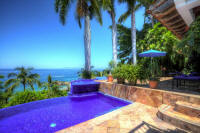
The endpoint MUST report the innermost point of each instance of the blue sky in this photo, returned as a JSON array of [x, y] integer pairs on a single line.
[[32, 35]]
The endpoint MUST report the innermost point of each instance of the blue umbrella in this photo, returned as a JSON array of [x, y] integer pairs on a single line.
[[152, 53]]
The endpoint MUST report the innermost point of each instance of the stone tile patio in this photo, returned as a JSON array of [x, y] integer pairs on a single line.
[[134, 118], [166, 84]]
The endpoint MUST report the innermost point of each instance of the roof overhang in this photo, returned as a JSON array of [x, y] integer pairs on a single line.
[[175, 15], [184, 8]]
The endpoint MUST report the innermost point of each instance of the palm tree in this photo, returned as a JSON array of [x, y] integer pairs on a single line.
[[24, 77], [34, 79], [51, 86], [109, 6], [3, 94], [47, 85], [147, 4], [133, 6], [85, 9]]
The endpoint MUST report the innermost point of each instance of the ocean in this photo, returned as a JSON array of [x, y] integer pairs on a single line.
[[56, 74]]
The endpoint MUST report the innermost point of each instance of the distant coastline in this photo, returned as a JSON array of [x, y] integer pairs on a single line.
[[66, 75]]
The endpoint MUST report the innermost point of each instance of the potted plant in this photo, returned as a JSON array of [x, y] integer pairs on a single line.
[[110, 68], [119, 74], [154, 75], [110, 77], [134, 73], [153, 82]]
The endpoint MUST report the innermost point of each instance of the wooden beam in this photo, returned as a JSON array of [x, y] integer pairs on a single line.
[[172, 9], [170, 23], [178, 26], [181, 29], [157, 4], [164, 24]]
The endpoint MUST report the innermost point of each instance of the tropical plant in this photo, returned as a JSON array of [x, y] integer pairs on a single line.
[[109, 6], [119, 73], [84, 74], [134, 73], [191, 41], [51, 86], [190, 46], [109, 69], [25, 97], [24, 77], [159, 38], [96, 73], [147, 4], [1, 82], [124, 41], [154, 70], [29, 96], [85, 9], [2, 98], [3, 94], [133, 6]]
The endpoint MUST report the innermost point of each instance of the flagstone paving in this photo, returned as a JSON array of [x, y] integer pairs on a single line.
[[134, 118]]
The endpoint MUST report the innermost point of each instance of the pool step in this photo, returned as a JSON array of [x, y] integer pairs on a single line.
[[168, 114], [188, 108]]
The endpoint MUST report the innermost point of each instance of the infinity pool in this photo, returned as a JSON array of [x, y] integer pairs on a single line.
[[51, 115]]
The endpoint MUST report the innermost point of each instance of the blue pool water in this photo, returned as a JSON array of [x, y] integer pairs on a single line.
[[51, 115]]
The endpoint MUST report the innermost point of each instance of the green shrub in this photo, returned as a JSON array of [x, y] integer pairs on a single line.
[[134, 73], [29, 96], [26, 96], [120, 72], [85, 74]]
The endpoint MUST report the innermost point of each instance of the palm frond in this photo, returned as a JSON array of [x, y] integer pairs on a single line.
[[57, 5], [10, 81], [124, 16], [122, 1], [78, 18], [109, 6], [62, 7], [81, 8], [97, 11], [49, 79], [39, 83], [12, 87], [12, 75], [1, 76], [20, 68], [29, 69], [137, 6], [34, 76]]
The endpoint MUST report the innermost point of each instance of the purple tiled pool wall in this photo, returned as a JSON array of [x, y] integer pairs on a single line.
[[84, 86], [51, 115]]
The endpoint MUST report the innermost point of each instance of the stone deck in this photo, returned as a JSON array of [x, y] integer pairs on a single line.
[[133, 118]]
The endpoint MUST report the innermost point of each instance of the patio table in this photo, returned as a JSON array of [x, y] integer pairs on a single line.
[[174, 74], [184, 78]]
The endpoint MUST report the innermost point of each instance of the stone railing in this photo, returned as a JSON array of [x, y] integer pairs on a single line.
[[152, 97]]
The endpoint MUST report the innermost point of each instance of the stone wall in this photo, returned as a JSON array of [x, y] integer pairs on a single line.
[[152, 97]]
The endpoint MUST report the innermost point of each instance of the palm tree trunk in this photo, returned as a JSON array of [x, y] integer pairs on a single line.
[[152, 21], [24, 86], [33, 89], [87, 43], [133, 37], [114, 38]]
